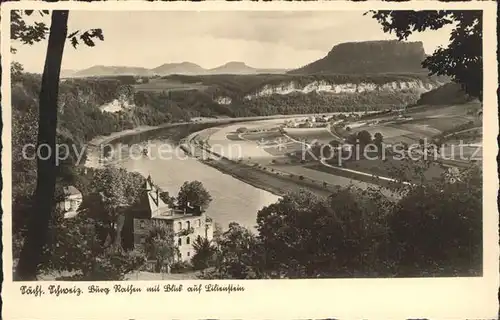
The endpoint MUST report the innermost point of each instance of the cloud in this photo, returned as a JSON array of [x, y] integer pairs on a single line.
[[301, 30], [262, 38]]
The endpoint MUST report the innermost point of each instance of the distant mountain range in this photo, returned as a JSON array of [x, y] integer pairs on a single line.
[[183, 68], [369, 57]]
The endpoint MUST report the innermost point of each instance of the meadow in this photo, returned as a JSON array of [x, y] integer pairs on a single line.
[[320, 135]]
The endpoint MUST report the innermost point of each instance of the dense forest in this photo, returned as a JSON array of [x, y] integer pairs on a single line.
[[240, 85], [449, 93]]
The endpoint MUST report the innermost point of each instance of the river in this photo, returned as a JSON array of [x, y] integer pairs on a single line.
[[233, 200]]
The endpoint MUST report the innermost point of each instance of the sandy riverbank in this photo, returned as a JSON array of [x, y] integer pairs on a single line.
[[92, 153], [265, 178], [115, 135]]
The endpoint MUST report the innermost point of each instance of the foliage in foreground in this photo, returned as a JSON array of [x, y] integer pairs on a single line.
[[433, 230], [75, 247], [159, 246], [462, 59]]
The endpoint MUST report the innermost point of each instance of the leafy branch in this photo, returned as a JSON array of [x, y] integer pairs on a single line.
[[32, 32], [461, 59], [87, 37]]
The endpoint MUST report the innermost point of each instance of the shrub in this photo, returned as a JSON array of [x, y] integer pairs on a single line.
[[181, 267]]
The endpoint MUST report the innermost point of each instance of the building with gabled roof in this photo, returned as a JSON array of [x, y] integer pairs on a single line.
[[185, 223], [71, 200]]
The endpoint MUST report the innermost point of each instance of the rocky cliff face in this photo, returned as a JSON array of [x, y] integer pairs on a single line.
[[96, 93], [370, 57], [325, 87], [223, 100], [121, 104]]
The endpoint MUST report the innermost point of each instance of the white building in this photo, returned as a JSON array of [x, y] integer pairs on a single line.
[[187, 224], [72, 200]]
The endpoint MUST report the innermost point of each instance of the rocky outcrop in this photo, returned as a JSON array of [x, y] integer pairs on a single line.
[[223, 100], [325, 87], [369, 57], [117, 105]]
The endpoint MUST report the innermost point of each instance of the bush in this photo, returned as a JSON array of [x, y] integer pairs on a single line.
[[181, 267], [438, 239]]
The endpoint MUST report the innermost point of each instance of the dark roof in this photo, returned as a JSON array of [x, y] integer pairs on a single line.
[[71, 190]]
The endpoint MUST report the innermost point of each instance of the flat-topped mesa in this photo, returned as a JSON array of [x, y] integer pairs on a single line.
[[369, 57]]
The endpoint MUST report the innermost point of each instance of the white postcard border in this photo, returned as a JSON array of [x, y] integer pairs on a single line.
[[443, 298]]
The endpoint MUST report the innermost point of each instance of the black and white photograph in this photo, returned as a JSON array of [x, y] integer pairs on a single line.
[[210, 145]]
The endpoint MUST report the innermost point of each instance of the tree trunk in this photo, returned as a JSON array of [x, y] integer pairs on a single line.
[[41, 213], [120, 221]]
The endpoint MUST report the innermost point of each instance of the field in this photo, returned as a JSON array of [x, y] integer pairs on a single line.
[[320, 135], [444, 123], [264, 146], [283, 150], [262, 136], [444, 111], [167, 85], [423, 129], [233, 136], [395, 169], [425, 122]]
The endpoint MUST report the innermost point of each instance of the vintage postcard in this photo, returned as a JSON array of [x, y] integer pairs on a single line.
[[249, 160]]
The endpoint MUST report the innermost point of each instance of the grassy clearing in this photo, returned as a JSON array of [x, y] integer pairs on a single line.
[[259, 136], [442, 123], [408, 139], [450, 110], [274, 182], [233, 137], [390, 168], [284, 150], [386, 131], [321, 135], [350, 175]]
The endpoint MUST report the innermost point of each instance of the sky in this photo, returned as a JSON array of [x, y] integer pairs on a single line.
[[272, 39]]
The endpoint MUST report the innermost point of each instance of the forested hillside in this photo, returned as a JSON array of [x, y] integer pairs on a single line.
[[450, 93], [256, 95]]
